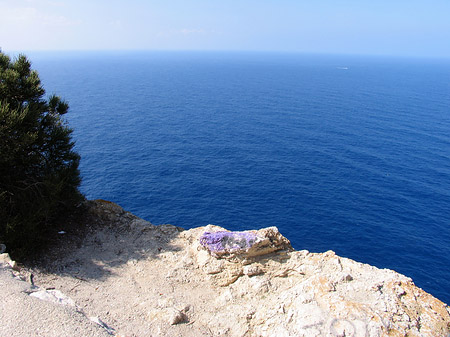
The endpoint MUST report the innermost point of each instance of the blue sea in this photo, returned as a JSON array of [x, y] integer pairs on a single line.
[[348, 153]]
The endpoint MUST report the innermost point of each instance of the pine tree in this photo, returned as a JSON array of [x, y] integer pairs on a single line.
[[39, 174]]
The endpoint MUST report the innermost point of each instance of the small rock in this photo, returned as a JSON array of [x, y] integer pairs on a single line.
[[2, 248], [214, 267], [98, 321], [54, 296], [347, 278], [175, 316], [252, 270], [6, 260], [14, 265], [400, 292], [132, 262], [262, 286]]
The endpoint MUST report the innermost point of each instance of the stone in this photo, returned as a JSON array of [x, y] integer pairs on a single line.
[[111, 331], [227, 242], [170, 316], [175, 316], [14, 265], [54, 296], [252, 270], [245, 244], [6, 261]]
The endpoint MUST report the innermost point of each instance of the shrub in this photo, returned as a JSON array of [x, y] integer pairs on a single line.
[[39, 174]]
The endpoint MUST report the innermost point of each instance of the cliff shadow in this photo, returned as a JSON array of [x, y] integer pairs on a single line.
[[102, 238]]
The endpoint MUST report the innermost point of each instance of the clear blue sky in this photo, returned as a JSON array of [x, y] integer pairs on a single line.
[[387, 27]]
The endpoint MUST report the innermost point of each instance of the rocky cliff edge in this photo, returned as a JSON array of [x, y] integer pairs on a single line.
[[127, 277]]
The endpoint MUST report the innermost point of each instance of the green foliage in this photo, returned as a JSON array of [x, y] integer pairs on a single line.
[[39, 174]]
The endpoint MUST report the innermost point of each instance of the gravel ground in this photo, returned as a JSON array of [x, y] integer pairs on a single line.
[[22, 315]]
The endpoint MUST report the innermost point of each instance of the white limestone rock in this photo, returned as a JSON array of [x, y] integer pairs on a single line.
[[163, 273], [54, 296]]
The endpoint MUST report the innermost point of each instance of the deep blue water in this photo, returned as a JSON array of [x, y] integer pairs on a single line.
[[344, 153]]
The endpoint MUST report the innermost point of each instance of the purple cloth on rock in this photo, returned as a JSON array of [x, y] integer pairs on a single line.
[[224, 241]]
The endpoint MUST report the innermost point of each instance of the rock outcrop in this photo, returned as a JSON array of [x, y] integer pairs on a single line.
[[140, 279], [298, 293]]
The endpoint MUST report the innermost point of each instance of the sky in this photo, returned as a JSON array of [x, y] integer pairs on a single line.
[[418, 28]]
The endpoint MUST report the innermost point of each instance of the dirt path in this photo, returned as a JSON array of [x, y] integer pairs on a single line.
[[131, 275]]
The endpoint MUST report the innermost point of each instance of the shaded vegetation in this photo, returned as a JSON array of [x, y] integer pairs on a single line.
[[39, 174]]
